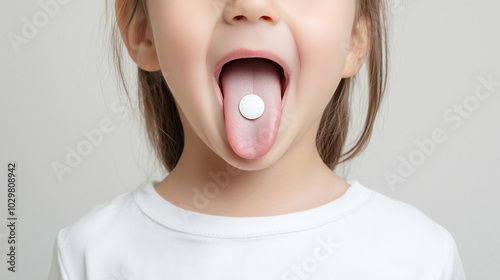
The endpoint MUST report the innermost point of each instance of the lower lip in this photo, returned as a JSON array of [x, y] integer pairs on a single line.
[[221, 99]]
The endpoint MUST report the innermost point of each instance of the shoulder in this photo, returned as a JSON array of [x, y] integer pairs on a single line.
[[407, 221], [91, 232], [393, 212], [413, 236], [95, 223]]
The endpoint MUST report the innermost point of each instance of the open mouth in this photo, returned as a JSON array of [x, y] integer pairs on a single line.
[[251, 129], [283, 76]]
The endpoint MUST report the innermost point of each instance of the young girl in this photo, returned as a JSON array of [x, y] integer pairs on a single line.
[[247, 104]]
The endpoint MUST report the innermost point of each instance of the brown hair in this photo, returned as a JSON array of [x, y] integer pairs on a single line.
[[162, 120]]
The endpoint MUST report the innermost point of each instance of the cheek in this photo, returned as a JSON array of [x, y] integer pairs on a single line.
[[178, 44], [322, 34], [182, 38]]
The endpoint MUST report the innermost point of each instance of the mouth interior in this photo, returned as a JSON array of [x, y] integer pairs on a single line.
[[278, 67]]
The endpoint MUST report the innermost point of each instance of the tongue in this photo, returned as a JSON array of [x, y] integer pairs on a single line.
[[251, 139]]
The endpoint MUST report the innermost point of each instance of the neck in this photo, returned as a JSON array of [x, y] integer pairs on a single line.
[[205, 183]]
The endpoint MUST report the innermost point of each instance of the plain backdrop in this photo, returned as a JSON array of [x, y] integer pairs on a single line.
[[58, 87]]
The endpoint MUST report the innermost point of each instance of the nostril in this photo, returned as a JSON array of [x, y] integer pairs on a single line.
[[242, 17]]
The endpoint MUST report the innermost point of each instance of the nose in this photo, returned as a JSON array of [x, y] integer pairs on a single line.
[[251, 11]]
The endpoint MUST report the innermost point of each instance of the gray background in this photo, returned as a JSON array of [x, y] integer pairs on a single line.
[[59, 84]]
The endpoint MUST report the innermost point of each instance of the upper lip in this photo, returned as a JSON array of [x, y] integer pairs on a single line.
[[246, 53]]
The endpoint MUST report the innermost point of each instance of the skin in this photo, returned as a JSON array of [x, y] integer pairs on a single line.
[[186, 39]]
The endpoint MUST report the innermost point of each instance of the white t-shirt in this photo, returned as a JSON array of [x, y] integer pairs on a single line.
[[362, 235]]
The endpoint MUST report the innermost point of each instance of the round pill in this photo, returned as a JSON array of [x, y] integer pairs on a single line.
[[251, 106]]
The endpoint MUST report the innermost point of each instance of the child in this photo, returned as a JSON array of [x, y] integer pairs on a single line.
[[246, 104]]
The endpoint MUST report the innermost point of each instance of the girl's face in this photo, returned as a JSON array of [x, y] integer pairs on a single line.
[[309, 39]]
